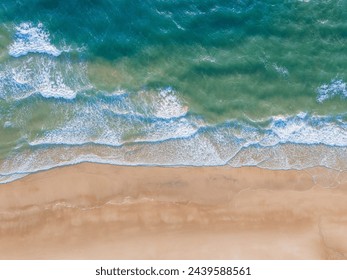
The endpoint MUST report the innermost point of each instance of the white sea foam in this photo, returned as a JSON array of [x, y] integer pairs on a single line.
[[7, 124], [215, 145], [336, 87], [42, 75], [95, 124], [283, 71], [310, 131], [119, 121], [299, 129], [32, 39], [153, 128], [11, 177], [289, 156], [207, 58], [118, 92], [199, 150], [164, 105]]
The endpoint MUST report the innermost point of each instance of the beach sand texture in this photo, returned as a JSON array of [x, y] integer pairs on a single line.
[[94, 211]]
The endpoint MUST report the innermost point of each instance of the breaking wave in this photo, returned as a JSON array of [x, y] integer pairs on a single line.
[[32, 39], [336, 87]]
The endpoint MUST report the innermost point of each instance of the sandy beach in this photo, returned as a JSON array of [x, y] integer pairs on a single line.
[[94, 211]]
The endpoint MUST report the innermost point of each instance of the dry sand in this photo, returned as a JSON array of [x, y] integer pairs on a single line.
[[92, 211]]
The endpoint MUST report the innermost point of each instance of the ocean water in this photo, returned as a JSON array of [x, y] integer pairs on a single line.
[[172, 83]]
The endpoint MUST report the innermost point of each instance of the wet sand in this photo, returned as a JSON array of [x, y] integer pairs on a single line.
[[94, 211]]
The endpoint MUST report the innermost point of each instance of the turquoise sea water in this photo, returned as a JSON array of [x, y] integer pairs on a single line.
[[194, 82]]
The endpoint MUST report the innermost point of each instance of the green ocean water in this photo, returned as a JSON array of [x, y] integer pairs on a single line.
[[113, 73]]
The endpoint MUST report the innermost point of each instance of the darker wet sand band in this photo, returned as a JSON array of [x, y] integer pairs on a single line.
[[92, 211]]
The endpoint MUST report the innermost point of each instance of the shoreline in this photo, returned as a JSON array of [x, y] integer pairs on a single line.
[[281, 157], [100, 211]]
